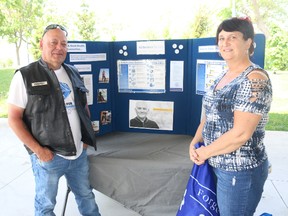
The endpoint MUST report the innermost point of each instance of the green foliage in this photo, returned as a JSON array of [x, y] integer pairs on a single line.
[[200, 25], [40, 24], [18, 21], [150, 35], [86, 23], [277, 49], [24, 21], [35, 44], [225, 13], [6, 63], [166, 33], [270, 18]]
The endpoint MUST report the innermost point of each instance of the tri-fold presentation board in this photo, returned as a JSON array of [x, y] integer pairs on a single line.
[[161, 80]]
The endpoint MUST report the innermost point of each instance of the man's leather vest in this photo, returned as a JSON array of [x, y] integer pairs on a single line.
[[45, 114]]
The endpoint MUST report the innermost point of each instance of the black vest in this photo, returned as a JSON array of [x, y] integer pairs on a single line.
[[45, 114]]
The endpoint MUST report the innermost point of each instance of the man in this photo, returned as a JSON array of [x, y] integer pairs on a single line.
[[47, 110], [141, 119]]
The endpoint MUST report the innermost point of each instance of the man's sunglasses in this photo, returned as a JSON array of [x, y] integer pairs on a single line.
[[54, 26]]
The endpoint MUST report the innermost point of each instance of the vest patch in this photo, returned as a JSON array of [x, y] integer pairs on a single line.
[[34, 84]]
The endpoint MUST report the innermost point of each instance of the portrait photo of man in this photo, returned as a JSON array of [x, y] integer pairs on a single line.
[[141, 120]]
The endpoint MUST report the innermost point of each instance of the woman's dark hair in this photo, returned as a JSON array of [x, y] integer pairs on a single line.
[[243, 25]]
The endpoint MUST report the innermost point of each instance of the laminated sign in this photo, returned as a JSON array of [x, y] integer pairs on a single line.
[[200, 194]]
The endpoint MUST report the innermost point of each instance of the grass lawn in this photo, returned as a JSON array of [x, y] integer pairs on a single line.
[[5, 78], [278, 117]]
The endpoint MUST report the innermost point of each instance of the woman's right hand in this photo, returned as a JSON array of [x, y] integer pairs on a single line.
[[194, 155]]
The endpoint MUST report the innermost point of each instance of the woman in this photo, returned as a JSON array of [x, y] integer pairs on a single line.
[[233, 127]]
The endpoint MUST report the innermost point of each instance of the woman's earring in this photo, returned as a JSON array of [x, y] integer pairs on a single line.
[[254, 46]]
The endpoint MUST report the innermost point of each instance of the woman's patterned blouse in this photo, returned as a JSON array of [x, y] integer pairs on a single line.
[[242, 94]]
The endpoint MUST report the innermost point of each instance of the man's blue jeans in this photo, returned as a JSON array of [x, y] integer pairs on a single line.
[[238, 193], [47, 175]]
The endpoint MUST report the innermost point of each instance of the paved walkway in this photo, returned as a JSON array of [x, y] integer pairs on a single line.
[[17, 184]]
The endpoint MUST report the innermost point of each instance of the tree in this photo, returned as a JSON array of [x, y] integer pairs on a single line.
[[50, 17], [277, 49], [19, 20], [35, 44], [150, 34], [200, 25], [86, 23], [167, 33], [267, 15]]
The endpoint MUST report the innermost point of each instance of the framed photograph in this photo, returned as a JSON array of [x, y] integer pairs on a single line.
[[102, 96], [104, 75], [105, 117]]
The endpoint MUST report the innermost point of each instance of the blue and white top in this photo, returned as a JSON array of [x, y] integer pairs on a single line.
[[242, 94]]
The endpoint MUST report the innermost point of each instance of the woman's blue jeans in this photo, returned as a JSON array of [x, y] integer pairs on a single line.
[[238, 193], [47, 175]]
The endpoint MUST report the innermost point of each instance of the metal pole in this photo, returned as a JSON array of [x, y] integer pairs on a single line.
[[66, 199]]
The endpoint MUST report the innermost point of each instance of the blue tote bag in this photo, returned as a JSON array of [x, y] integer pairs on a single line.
[[200, 194]]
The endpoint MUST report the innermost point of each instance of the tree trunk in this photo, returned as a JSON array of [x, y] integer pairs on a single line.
[[258, 20], [17, 54]]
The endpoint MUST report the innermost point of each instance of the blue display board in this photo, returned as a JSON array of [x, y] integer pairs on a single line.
[[170, 75]]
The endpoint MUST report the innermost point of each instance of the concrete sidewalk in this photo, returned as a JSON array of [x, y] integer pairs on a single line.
[[17, 183]]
